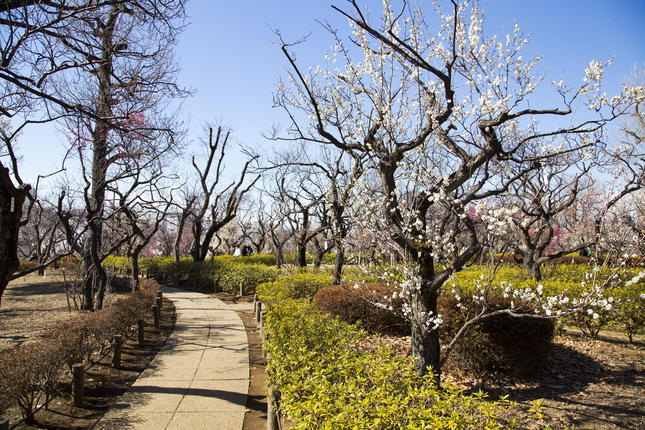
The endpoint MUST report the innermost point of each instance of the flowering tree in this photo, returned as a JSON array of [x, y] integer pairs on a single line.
[[444, 117]]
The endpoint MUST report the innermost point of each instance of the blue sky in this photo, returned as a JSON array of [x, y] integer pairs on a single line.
[[230, 56]]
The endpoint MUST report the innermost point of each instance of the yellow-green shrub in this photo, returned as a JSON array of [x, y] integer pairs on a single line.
[[325, 382], [294, 286], [231, 275]]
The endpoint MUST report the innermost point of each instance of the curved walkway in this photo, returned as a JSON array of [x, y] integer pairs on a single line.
[[199, 380]]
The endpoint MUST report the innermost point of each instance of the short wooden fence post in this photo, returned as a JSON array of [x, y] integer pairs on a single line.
[[117, 342], [241, 288], [258, 310], [155, 314], [78, 384], [255, 302], [160, 297], [158, 303], [4, 424], [141, 332]]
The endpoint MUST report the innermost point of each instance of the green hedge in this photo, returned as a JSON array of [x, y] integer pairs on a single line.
[[325, 382], [221, 273], [294, 286], [231, 275]]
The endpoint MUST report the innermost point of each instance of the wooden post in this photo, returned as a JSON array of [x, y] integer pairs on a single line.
[[155, 314], [4, 424], [262, 320], [174, 317], [273, 421], [255, 302], [160, 295], [257, 312], [117, 342], [141, 332], [158, 303], [241, 288], [78, 384]]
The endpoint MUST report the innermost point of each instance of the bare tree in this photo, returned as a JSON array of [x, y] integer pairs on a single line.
[[185, 210], [544, 197], [215, 207], [125, 94], [144, 216]]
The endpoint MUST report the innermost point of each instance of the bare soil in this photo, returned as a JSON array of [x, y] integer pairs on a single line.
[[34, 304], [583, 384]]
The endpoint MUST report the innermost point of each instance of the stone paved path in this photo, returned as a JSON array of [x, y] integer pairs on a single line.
[[199, 380]]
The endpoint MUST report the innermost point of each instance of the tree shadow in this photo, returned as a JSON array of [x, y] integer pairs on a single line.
[[565, 377]]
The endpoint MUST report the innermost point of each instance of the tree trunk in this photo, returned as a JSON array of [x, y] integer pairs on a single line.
[[180, 232], [425, 340], [301, 254], [88, 279], [279, 258], [532, 267], [320, 253], [11, 201], [338, 264], [135, 270]]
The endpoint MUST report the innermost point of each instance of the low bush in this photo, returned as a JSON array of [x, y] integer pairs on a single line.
[[516, 346], [325, 382], [231, 275], [294, 286], [503, 343], [30, 371], [356, 303]]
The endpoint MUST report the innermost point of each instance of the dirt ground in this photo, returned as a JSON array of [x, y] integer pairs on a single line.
[[31, 305], [583, 384]]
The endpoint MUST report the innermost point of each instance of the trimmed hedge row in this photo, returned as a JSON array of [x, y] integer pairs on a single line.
[[325, 382], [222, 273], [627, 310], [31, 370]]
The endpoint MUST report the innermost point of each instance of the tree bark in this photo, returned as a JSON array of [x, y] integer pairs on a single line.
[[301, 251], [425, 339], [338, 264], [11, 201]]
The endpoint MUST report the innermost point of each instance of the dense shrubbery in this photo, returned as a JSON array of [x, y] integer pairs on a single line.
[[515, 346], [324, 381], [225, 273], [625, 307], [502, 343], [355, 303], [30, 371], [221, 273], [231, 275], [294, 286]]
